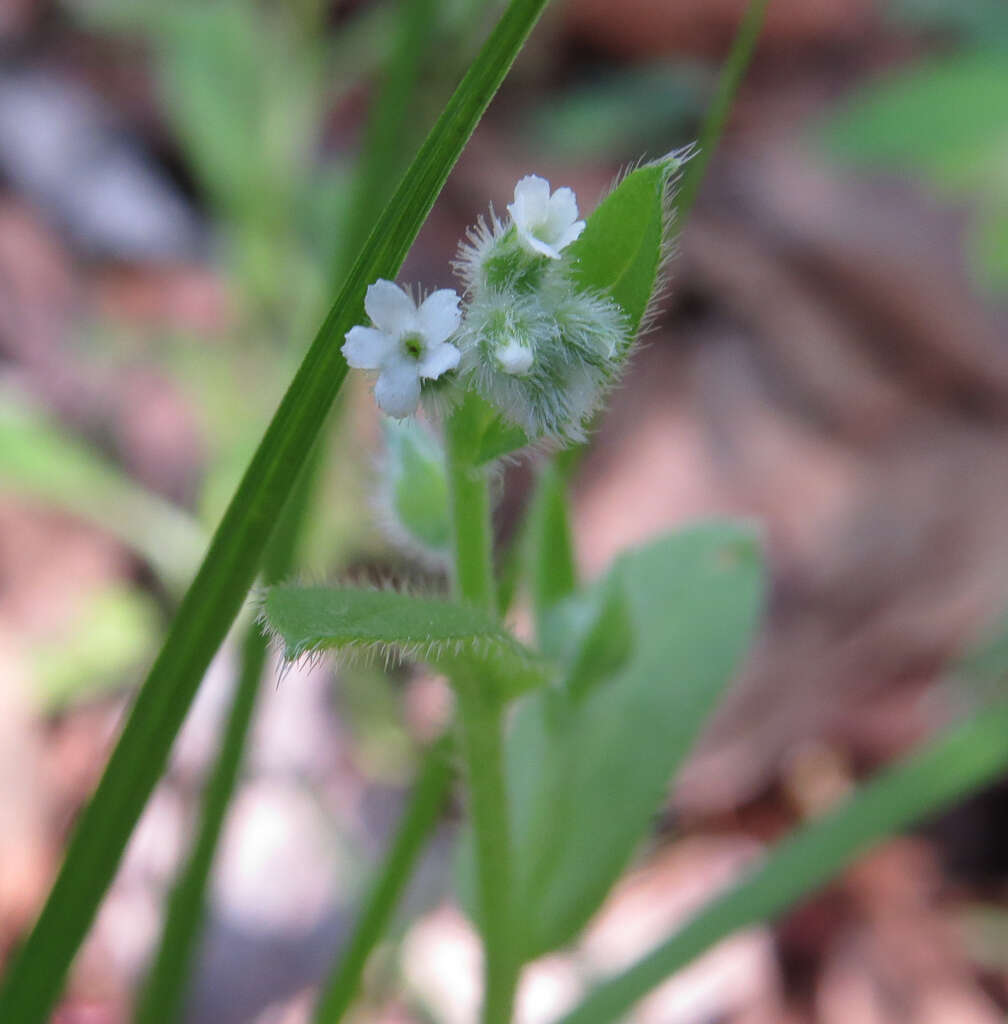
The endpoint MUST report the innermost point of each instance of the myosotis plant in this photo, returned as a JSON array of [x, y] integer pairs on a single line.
[[568, 741]]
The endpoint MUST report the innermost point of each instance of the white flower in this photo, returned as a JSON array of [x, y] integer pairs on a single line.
[[545, 223], [405, 344], [514, 357]]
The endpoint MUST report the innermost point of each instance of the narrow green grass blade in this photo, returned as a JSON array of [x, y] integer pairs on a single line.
[[35, 979], [163, 994], [385, 146], [956, 763], [415, 828], [731, 77]]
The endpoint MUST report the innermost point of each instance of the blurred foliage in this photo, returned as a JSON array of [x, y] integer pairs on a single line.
[[945, 121], [621, 113], [100, 650], [244, 88], [39, 461], [979, 22]]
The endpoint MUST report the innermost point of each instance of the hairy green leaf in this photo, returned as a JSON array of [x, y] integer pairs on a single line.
[[621, 249], [383, 623], [590, 764]]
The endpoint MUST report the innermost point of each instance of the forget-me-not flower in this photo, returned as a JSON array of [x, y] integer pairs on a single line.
[[545, 223], [405, 344]]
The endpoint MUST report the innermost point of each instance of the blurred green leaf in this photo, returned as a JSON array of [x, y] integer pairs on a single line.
[[945, 121], [39, 461], [589, 766], [945, 118], [980, 22], [100, 650], [621, 113], [383, 623], [957, 762], [989, 248]]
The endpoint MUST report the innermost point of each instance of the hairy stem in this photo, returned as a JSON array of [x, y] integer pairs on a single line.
[[481, 720], [418, 822], [470, 512]]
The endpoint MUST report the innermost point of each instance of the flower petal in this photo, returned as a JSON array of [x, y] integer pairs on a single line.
[[571, 234], [397, 391], [365, 348], [531, 201], [437, 360], [439, 315], [538, 245], [389, 307], [563, 211]]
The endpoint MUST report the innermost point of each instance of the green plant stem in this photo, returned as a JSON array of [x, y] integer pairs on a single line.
[[731, 77], [552, 571], [959, 761], [164, 991], [481, 724], [415, 828], [470, 511], [35, 979]]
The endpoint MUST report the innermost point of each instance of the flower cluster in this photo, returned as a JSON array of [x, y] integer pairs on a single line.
[[530, 341]]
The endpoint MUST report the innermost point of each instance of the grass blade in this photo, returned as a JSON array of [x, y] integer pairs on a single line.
[[385, 147], [164, 990], [415, 828], [731, 77], [957, 762], [36, 977]]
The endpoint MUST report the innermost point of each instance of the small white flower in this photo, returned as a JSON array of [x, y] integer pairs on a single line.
[[545, 223], [406, 343], [514, 357]]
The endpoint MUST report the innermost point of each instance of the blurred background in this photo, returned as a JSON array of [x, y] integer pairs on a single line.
[[178, 192]]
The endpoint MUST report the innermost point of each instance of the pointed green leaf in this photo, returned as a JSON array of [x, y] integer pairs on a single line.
[[309, 620], [621, 249], [589, 767]]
